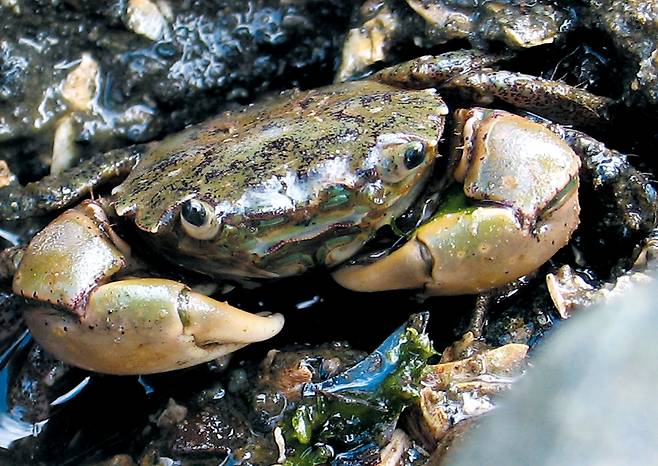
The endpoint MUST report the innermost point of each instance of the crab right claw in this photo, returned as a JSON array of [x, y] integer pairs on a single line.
[[518, 207], [129, 326]]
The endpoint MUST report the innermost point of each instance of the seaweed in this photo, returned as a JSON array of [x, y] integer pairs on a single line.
[[345, 419]]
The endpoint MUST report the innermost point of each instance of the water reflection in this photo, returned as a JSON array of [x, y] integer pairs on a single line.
[[12, 427], [71, 393]]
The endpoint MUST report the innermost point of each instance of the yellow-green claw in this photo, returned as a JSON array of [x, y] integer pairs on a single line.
[[518, 207], [126, 326], [466, 252], [140, 326]]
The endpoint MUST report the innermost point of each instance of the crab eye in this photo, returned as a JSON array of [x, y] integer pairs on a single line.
[[398, 159], [198, 219], [414, 155]]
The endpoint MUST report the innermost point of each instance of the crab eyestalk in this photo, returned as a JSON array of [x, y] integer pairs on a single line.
[[517, 208], [129, 326]]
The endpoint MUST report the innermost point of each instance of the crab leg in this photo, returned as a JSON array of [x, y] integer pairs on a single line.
[[430, 71], [468, 74], [128, 326], [518, 206], [63, 189], [552, 99]]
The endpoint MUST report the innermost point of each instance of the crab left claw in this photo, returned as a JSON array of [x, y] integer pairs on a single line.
[[518, 207], [129, 326]]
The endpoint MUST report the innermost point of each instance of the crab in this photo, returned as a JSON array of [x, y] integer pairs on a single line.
[[299, 182]]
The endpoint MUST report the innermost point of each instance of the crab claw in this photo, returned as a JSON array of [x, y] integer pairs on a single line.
[[518, 207], [129, 326], [141, 326]]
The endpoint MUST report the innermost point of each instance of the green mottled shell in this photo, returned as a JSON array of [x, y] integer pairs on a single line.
[[293, 181]]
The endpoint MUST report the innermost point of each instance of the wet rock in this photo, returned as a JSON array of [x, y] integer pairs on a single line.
[[36, 384], [210, 432], [633, 28], [572, 291], [382, 27], [465, 388], [133, 71], [11, 316], [234, 419], [287, 372], [589, 398]]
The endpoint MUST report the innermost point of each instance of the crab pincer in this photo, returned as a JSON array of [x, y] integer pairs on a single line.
[[518, 206], [127, 326]]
